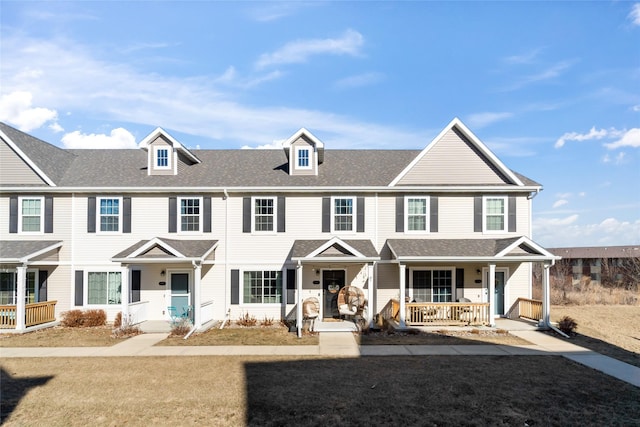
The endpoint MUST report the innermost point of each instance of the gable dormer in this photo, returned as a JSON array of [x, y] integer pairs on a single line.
[[304, 153], [165, 154]]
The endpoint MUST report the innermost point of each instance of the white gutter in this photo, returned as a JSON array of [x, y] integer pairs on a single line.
[[547, 322], [226, 255]]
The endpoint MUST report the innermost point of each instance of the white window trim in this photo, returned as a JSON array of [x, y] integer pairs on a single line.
[[14, 296], [169, 157], [263, 304], [354, 214], [85, 285], [453, 281], [485, 285], [506, 215], [98, 215], [427, 215], [310, 150], [42, 213], [179, 215], [275, 215]]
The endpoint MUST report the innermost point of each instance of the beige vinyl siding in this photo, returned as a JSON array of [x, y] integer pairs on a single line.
[[435, 167], [60, 287], [14, 170], [519, 283]]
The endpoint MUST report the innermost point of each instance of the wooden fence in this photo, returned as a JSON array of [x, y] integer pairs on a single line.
[[35, 314], [439, 313]]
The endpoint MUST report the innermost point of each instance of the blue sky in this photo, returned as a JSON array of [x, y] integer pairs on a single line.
[[553, 88]]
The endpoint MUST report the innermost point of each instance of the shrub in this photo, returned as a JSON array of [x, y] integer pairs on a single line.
[[267, 321], [124, 329], [72, 318], [84, 319], [94, 318], [567, 325], [117, 322], [247, 320], [181, 328]]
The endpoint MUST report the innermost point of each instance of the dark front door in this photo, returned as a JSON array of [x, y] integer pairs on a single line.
[[499, 306], [332, 281]]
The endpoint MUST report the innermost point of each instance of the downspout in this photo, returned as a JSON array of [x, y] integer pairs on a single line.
[[226, 255], [546, 319], [226, 318]]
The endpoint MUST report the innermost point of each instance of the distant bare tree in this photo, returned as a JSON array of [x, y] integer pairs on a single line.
[[561, 273]]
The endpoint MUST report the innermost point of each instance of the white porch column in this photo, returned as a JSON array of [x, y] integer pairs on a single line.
[[546, 299], [299, 298], [492, 291], [124, 294], [370, 295], [21, 297], [197, 278], [403, 291]]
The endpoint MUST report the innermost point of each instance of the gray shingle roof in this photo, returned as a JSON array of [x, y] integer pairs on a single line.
[[302, 248], [19, 249], [598, 252], [449, 247], [188, 248]]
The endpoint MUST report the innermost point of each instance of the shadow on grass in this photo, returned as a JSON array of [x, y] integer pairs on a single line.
[[602, 347], [13, 389], [436, 390]]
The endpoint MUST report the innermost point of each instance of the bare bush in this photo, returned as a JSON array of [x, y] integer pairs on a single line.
[[84, 318], [567, 325], [247, 320]]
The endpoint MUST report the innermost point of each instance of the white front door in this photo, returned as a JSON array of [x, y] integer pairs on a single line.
[[180, 293]]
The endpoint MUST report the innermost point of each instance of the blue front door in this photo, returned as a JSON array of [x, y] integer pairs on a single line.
[[180, 295]]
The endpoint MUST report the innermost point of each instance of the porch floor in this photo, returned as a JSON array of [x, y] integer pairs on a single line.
[[341, 326]]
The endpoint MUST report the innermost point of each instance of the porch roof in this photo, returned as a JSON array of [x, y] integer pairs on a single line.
[[167, 250], [334, 249], [24, 251], [509, 249]]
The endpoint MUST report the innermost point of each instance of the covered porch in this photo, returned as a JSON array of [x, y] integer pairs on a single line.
[[466, 281], [25, 267], [334, 283], [165, 281]]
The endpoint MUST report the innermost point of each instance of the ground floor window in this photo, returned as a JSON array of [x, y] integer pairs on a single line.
[[9, 287], [104, 287], [432, 285], [262, 287]]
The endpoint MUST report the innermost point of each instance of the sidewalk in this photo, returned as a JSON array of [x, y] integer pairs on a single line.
[[343, 344]]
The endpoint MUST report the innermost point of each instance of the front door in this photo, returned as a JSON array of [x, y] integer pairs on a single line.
[[180, 295], [332, 281], [499, 292]]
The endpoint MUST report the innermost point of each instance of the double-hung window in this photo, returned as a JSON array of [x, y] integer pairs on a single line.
[[417, 214], [495, 213], [109, 214], [303, 158], [190, 213], [432, 285], [31, 215], [264, 213], [104, 287], [344, 213], [162, 157], [262, 287]]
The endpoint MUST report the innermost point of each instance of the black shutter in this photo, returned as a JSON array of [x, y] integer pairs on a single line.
[[79, 287], [433, 214], [206, 212], [91, 214], [282, 214], [400, 214], [246, 214], [42, 285], [326, 214], [48, 214], [235, 286], [477, 214], [13, 214], [173, 215], [360, 214], [459, 278], [291, 286], [126, 214], [134, 296], [512, 214]]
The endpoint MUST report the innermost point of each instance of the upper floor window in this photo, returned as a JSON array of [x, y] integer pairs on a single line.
[[495, 214], [109, 214], [31, 215], [343, 213], [264, 213], [417, 213], [189, 213], [162, 159], [262, 287], [303, 159]]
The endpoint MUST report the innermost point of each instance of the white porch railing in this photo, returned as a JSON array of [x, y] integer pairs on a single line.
[[206, 312], [138, 312]]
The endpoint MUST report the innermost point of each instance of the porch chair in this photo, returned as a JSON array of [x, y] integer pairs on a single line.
[[350, 301], [175, 317], [311, 311]]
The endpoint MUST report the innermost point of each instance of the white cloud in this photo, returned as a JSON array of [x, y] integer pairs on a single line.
[[275, 145], [636, 108], [360, 80], [118, 138], [300, 50], [560, 202], [15, 108], [634, 15], [560, 232], [547, 74], [630, 138], [524, 58], [618, 159], [479, 120], [574, 136]]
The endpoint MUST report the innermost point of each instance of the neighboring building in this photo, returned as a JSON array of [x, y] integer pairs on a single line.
[[602, 264], [258, 231]]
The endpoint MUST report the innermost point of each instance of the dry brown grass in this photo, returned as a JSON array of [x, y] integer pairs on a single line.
[[588, 293], [441, 337], [271, 335], [236, 391], [608, 329], [60, 336]]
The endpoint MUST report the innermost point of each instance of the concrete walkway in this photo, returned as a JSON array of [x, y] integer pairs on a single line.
[[343, 344]]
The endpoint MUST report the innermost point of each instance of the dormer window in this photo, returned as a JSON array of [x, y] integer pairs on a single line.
[[303, 158], [162, 159]]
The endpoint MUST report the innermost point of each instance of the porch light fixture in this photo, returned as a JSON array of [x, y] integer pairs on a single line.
[[162, 273], [478, 271]]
